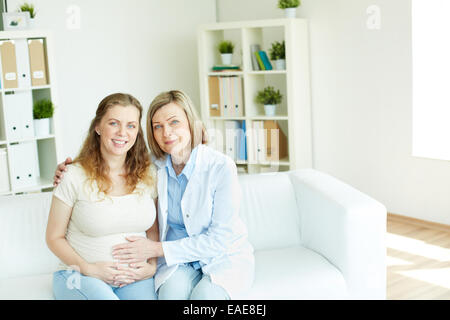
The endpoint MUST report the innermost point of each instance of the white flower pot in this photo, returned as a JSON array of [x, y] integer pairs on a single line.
[[31, 23], [280, 64], [42, 127], [226, 58], [290, 12], [269, 109]]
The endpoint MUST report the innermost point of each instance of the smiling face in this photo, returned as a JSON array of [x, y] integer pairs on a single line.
[[118, 130], [171, 130]]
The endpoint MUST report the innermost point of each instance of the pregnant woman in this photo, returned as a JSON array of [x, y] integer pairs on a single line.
[[107, 194], [204, 250]]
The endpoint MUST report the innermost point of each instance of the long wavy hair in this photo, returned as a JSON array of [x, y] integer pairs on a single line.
[[137, 162]]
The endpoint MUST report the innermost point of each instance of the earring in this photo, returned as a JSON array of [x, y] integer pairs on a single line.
[[98, 132]]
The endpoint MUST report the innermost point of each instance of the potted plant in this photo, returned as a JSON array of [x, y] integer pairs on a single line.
[[278, 53], [226, 49], [28, 7], [289, 7], [269, 97], [42, 112]]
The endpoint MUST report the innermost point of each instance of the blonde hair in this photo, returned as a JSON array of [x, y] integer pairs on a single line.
[[181, 99], [137, 161]]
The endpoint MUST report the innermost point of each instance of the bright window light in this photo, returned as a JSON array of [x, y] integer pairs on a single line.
[[417, 247], [431, 78], [439, 277]]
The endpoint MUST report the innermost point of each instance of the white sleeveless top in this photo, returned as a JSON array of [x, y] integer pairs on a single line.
[[99, 222]]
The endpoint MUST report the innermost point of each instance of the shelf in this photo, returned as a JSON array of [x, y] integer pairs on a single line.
[[33, 139], [42, 184], [227, 118], [292, 115], [224, 74], [281, 162], [267, 72], [269, 118], [3, 142], [25, 89]]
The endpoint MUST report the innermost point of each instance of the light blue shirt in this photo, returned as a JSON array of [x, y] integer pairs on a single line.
[[176, 185]]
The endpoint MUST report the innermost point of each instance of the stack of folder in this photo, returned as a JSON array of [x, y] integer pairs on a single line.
[[225, 96]]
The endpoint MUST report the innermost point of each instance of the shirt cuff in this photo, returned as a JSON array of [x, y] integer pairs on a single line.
[[168, 252]]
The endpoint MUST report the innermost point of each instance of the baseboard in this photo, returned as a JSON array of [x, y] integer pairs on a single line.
[[418, 222]]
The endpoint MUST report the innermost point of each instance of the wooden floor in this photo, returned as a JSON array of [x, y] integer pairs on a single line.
[[418, 260]]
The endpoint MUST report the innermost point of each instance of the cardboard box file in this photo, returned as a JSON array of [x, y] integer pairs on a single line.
[[214, 97], [38, 62], [9, 66]]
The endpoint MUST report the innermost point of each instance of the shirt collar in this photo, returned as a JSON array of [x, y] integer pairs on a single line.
[[188, 168]]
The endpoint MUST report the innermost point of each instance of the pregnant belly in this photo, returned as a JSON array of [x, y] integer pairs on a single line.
[[96, 249]]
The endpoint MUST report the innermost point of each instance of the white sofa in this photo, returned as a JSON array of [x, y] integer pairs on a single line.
[[314, 238]]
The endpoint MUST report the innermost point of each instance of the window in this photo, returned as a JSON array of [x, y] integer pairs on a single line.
[[431, 78]]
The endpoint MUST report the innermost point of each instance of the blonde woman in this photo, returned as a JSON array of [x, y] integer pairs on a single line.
[[204, 251], [106, 195]]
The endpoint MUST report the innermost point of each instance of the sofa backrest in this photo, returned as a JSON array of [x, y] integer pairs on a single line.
[[23, 221], [269, 210]]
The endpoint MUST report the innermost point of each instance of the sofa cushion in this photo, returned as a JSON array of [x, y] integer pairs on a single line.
[[295, 273], [23, 250], [269, 209], [37, 287]]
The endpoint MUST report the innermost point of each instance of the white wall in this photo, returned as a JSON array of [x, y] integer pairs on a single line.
[[361, 98], [140, 47]]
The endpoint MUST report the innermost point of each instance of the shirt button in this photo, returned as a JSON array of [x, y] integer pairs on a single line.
[[187, 215]]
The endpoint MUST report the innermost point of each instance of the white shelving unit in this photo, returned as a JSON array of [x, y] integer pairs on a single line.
[[42, 155], [293, 115]]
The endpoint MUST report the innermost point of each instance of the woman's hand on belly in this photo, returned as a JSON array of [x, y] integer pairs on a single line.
[[108, 272], [140, 271]]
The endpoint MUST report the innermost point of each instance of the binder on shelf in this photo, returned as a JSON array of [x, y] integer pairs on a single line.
[[255, 48], [24, 166], [9, 66], [214, 97], [259, 141], [265, 60], [38, 62], [23, 63], [232, 139], [225, 96], [4, 174], [276, 141], [242, 146], [239, 101], [260, 63], [18, 108], [231, 97]]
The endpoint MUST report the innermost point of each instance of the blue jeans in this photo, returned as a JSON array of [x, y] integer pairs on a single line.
[[72, 285], [186, 283]]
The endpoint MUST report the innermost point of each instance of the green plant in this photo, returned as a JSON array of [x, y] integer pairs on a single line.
[[269, 96], [226, 47], [43, 109], [283, 4], [28, 7], [277, 51]]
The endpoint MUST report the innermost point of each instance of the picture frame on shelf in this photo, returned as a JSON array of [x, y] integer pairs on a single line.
[[16, 20]]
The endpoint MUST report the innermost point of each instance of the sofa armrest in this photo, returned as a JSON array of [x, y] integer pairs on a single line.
[[347, 227]]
